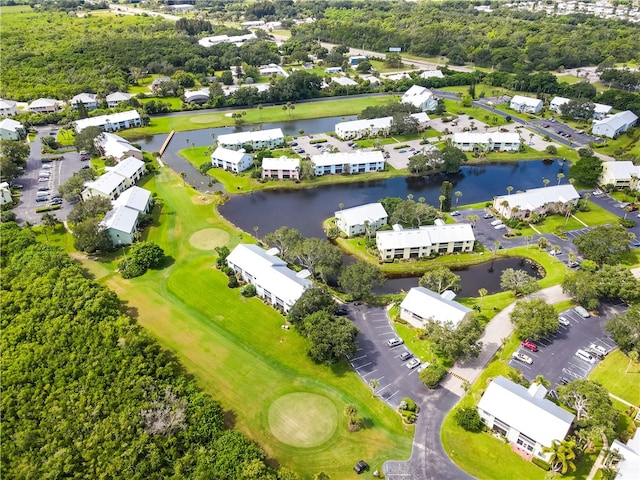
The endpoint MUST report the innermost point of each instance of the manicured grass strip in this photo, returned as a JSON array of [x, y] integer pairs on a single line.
[[611, 374]]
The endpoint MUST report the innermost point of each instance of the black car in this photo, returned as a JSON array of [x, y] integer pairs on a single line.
[[360, 467], [564, 380], [341, 311]]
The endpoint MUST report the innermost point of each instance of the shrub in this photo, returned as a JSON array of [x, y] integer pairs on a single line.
[[432, 375], [47, 209], [7, 216], [248, 291], [408, 405], [627, 222], [469, 419], [541, 463], [130, 269], [551, 149], [233, 282], [319, 140]]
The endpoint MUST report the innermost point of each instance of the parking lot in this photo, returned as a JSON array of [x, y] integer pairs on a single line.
[[374, 359], [555, 127], [555, 359]]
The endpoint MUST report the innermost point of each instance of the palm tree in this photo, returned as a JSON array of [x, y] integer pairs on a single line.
[[560, 177], [373, 383], [183, 175], [562, 455], [49, 220], [540, 380], [255, 230], [509, 189], [458, 194], [545, 181], [341, 205], [543, 243], [260, 107], [482, 292], [351, 411], [441, 199], [633, 357], [496, 244]]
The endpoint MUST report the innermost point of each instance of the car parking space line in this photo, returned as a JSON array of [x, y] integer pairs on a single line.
[[379, 391], [394, 393], [362, 366], [372, 371], [358, 358]]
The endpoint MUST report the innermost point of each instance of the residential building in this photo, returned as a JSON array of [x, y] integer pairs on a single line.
[[111, 122], [156, 84], [355, 60], [536, 200], [273, 70], [421, 305], [356, 162], [116, 147], [237, 40], [135, 198], [621, 174], [11, 130], [557, 102], [90, 101], [231, 160], [420, 97], [121, 224], [396, 77], [614, 125], [526, 104], [333, 70], [116, 98], [43, 105], [8, 108], [274, 281], [599, 112], [5, 194], [260, 140], [432, 74], [109, 185], [197, 96], [424, 241], [357, 220], [487, 142], [131, 169], [628, 465], [281, 168], [344, 81], [524, 416], [374, 127]]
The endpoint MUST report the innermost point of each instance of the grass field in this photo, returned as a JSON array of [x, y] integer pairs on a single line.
[[624, 144], [175, 102], [330, 108], [235, 347], [611, 374]]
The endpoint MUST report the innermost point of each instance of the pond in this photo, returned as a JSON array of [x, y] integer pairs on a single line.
[[306, 209], [485, 275]]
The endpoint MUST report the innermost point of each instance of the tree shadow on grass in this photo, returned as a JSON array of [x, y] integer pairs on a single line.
[[340, 368], [229, 418]]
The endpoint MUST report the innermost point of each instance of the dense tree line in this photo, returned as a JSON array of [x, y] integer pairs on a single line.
[[609, 282], [87, 394]]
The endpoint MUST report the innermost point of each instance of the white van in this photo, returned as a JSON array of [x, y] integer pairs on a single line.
[[586, 356], [582, 312], [496, 222]]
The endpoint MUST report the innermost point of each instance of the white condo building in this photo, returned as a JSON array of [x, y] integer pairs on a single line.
[[420, 97], [374, 127], [356, 220], [526, 104], [487, 142], [421, 305], [231, 160], [424, 241], [351, 163], [535, 200], [262, 139]]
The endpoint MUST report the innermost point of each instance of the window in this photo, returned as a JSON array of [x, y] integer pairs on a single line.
[[525, 442]]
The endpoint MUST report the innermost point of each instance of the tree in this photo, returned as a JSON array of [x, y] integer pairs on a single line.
[[314, 299], [92, 207], [86, 140], [458, 195], [142, 256], [432, 375], [586, 171], [587, 287], [577, 109], [482, 292], [49, 220], [72, 188], [534, 319], [469, 419], [633, 358], [519, 281], [90, 236], [592, 405], [445, 191], [604, 244], [625, 329], [15, 151], [440, 279], [454, 342], [540, 380], [284, 239], [360, 278], [331, 337], [452, 158], [320, 257], [562, 455], [373, 383], [351, 411]]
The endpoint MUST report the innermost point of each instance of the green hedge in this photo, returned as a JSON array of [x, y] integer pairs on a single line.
[[320, 140], [541, 463], [48, 209]]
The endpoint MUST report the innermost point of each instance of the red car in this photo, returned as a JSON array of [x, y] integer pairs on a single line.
[[529, 345]]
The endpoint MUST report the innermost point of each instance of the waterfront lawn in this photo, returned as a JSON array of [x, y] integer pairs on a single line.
[[234, 346], [624, 143], [611, 374], [222, 118]]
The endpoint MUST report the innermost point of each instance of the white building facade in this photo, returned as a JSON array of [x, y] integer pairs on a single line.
[[536, 200], [487, 142], [43, 105], [374, 127], [282, 168], [357, 220], [424, 241], [421, 305], [112, 122], [8, 108], [420, 97], [90, 101], [11, 130], [262, 139], [231, 160], [526, 104], [614, 125], [351, 163], [620, 174], [116, 98]]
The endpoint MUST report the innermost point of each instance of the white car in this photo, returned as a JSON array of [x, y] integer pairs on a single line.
[[598, 348], [502, 226], [413, 363], [394, 342], [564, 321], [597, 192], [496, 222], [523, 357]]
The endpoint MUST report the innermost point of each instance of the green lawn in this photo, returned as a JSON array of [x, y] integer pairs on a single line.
[[611, 374], [330, 108], [622, 144], [235, 347], [175, 102]]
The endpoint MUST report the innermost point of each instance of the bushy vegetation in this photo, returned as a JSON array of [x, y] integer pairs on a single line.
[[432, 375], [141, 257], [87, 392], [469, 419]]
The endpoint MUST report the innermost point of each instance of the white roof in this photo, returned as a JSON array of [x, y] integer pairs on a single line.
[[4, 186], [416, 95], [7, 104], [134, 197], [118, 97], [102, 120], [10, 125], [106, 183], [424, 236], [537, 418], [341, 158], [397, 76], [620, 170], [557, 101], [127, 167], [537, 197], [370, 212], [344, 81], [123, 219], [629, 466], [248, 137], [530, 102], [43, 102], [432, 74], [84, 98], [227, 155], [478, 137], [191, 94], [378, 123], [237, 39], [269, 271], [114, 145], [282, 163], [618, 120], [601, 108], [428, 304]]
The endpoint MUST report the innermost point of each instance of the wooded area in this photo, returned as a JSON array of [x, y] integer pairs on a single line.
[[86, 393]]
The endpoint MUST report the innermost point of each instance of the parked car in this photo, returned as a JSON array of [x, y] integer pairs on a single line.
[[46, 166], [564, 321], [584, 355], [502, 226], [43, 189], [597, 192], [394, 342], [573, 264], [55, 201], [582, 312], [564, 380], [360, 467], [404, 356], [17, 186], [487, 215], [341, 311], [523, 357], [402, 150], [455, 213], [529, 345], [496, 222], [42, 199], [635, 243], [413, 363], [599, 348]]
